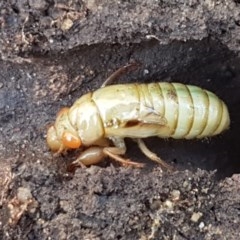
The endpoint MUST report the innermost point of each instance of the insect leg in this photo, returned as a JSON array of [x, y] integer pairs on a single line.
[[113, 152], [120, 149], [130, 67], [96, 154], [92, 155], [152, 155]]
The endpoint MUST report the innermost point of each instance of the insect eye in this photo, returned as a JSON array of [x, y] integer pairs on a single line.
[[70, 140]]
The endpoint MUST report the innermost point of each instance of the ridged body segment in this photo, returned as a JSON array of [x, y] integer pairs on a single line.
[[185, 111]]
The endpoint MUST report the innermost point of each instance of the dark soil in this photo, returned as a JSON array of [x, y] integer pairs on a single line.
[[52, 52]]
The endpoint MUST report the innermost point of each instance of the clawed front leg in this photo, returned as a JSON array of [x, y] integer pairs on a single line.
[[96, 154], [92, 155]]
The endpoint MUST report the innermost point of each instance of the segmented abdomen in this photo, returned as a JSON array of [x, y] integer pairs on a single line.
[[190, 111]]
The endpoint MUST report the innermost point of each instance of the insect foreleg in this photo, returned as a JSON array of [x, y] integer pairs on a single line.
[[114, 76], [92, 155], [148, 153], [96, 154]]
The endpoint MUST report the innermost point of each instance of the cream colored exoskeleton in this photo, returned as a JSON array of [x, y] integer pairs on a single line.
[[99, 121]]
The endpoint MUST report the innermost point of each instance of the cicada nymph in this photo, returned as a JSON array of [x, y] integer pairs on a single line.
[[99, 121]]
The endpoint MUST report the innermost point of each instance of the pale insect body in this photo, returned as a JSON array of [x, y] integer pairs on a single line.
[[165, 110]]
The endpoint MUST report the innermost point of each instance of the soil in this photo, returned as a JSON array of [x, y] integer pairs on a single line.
[[52, 52]]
